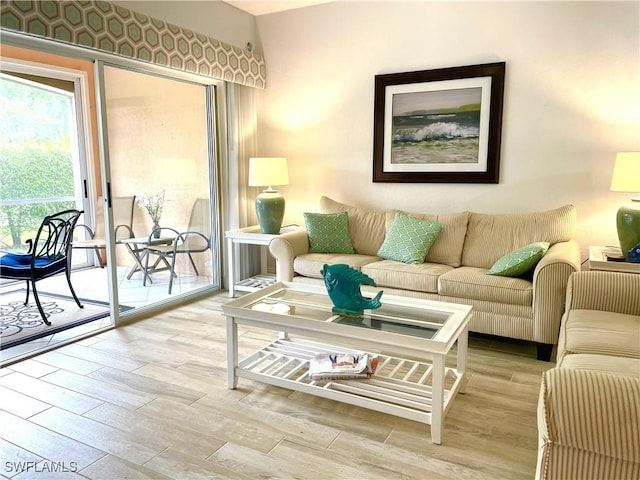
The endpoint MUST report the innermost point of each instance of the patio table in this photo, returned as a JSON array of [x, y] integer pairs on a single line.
[[137, 249]]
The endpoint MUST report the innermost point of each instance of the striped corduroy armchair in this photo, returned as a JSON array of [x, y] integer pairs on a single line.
[[589, 407]]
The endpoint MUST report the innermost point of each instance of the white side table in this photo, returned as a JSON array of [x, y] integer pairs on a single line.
[[250, 236], [600, 259]]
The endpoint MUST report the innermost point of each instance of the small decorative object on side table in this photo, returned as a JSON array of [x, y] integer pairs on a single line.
[[611, 259]]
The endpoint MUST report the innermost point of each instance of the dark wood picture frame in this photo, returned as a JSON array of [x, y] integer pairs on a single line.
[[433, 138]]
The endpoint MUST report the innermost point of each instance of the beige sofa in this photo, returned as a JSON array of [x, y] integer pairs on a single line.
[[589, 408], [455, 268]]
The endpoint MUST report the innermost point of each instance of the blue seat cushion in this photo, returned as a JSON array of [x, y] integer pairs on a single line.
[[18, 266]]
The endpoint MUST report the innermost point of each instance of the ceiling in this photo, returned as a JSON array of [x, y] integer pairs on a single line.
[[262, 7]]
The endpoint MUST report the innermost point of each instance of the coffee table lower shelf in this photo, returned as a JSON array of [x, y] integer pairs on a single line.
[[400, 387]]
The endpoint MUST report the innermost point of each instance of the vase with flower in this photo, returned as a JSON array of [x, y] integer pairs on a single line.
[[153, 205]]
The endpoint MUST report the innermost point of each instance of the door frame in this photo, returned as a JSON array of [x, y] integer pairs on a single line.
[[83, 145], [218, 149]]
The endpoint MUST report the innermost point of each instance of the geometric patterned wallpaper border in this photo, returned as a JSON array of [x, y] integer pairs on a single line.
[[110, 28]]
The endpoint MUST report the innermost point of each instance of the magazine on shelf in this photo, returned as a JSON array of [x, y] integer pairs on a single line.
[[335, 366]]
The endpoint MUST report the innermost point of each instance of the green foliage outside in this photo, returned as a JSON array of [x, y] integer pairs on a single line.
[[30, 173]]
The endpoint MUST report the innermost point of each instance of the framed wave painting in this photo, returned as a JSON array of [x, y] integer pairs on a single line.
[[439, 126]]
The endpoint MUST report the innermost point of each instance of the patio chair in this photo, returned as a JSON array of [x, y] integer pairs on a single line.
[[49, 254], [123, 220], [195, 239]]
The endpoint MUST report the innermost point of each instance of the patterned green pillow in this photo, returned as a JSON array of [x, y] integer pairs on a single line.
[[519, 261], [409, 239], [328, 232]]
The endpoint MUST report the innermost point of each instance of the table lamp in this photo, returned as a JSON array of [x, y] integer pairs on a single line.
[[269, 172], [626, 178]]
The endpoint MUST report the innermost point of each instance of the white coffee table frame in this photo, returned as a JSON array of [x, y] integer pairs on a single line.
[[412, 380]]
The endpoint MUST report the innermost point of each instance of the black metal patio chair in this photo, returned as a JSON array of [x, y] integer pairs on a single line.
[[49, 254]]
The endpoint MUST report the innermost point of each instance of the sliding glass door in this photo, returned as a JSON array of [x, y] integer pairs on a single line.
[[154, 171], [41, 161], [159, 149]]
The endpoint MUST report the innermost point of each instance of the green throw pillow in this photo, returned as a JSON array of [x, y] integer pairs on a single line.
[[519, 261], [328, 232], [409, 239]]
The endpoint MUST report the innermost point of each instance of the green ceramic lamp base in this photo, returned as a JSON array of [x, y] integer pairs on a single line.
[[628, 223], [270, 211]]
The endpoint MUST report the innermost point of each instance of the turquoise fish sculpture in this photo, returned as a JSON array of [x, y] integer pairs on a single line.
[[343, 286]]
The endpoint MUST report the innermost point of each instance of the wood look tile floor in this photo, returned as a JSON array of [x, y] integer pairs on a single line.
[[149, 400]]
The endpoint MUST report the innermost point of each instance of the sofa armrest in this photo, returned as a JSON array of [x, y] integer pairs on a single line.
[[550, 289], [588, 422], [607, 291], [285, 248]]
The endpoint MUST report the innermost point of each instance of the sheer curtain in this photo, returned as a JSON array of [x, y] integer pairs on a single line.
[[242, 144]]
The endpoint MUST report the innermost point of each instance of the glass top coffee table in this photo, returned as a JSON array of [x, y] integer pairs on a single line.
[[411, 338]]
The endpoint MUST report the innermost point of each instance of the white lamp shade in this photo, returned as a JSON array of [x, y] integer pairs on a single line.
[[626, 172], [268, 171]]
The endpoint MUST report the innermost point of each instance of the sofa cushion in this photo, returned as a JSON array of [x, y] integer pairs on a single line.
[[421, 277], [474, 283], [598, 332], [520, 261], [328, 232], [604, 290], [603, 363], [367, 227], [447, 249], [489, 237], [310, 264], [408, 239]]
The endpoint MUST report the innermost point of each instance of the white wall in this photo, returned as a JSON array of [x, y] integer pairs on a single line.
[[572, 96], [572, 100]]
